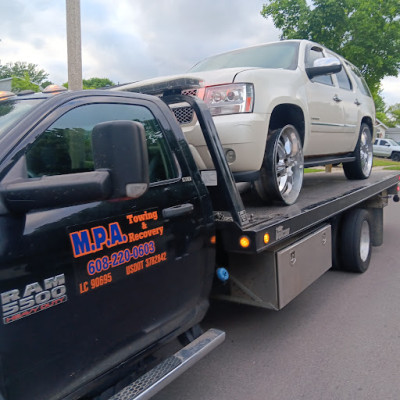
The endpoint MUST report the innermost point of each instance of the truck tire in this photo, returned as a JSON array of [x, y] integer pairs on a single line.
[[355, 241], [395, 156], [361, 167], [281, 175]]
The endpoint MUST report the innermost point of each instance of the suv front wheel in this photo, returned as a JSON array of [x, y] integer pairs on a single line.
[[281, 175]]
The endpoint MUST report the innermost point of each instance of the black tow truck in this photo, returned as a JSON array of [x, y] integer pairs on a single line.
[[111, 243]]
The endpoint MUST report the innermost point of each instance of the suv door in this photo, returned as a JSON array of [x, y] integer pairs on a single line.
[[110, 278], [325, 111], [350, 101]]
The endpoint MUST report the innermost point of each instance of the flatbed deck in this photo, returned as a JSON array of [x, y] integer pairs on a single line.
[[323, 196]]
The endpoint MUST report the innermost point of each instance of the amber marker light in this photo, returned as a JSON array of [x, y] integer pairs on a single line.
[[54, 89], [244, 242], [266, 238], [213, 239], [4, 95]]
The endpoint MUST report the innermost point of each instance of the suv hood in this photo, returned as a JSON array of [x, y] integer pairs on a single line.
[[184, 81]]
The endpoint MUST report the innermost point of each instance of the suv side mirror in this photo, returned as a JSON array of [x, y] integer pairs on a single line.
[[121, 170], [324, 66]]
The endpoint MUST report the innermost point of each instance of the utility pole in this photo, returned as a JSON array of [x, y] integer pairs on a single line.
[[73, 9]]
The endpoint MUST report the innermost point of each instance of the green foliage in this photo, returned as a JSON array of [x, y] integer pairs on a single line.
[[19, 69], [394, 112], [94, 83], [97, 83], [366, 32], [380, 105], [383, 117], [18, 84]]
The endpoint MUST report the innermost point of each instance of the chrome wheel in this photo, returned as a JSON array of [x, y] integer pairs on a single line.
[[366, 154], [281, 176], [361, 167], [365, 240]]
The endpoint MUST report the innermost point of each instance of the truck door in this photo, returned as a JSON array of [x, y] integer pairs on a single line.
[[85, 288], [383, 148]]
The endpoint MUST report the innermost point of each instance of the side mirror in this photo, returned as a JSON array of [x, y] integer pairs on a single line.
[[121, 170], [324, 66], [120, 147]]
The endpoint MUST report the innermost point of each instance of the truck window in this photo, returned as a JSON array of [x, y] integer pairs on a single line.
[[65, 147]]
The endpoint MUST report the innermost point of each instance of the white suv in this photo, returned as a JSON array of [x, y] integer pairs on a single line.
[[279, 107]]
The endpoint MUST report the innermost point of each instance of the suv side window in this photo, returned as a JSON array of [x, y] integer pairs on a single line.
[[343, 80], [342, 76], [362, 85], [313, 54], [65, 147]]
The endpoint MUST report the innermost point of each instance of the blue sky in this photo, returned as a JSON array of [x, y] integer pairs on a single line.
[[129, 40]]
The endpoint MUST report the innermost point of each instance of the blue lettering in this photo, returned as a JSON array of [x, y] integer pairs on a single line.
[[99, 237], [80, 243], [116, 236]]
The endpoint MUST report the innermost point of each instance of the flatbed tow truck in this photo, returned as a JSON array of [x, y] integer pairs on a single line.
[[120, 250]]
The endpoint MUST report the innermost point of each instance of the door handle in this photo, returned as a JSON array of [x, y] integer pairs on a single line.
[[337, 98], [177, 211], [357, 103]]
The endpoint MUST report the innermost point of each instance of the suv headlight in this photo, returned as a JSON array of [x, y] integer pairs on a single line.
[[232, 98]]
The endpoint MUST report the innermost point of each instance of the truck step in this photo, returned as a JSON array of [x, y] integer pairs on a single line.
[[160, 376]]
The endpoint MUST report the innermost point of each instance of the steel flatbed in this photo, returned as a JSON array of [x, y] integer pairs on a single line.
[[324, 195]]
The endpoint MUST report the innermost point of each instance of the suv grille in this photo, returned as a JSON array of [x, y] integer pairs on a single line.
[[189, 92], [184, 115]]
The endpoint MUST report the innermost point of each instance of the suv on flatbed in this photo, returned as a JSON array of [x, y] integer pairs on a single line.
[[278, 107]]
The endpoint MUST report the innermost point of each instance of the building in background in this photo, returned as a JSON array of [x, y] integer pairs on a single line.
[[5, 84], [393, 133]]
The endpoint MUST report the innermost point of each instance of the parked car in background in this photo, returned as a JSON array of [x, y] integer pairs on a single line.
[[388, 148], [278, 107]]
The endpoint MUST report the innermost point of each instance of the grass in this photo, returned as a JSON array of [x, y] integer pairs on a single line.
[[386, 163], [309, 170]]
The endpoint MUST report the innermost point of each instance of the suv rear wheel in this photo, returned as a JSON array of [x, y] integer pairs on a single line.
[[361, 167], [281, 175]]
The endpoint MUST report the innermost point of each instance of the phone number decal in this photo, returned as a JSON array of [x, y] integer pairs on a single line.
[[121, 257], [117, 248]]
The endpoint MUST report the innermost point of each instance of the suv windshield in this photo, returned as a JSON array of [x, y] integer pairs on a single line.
[[276, 55], [13, 110]]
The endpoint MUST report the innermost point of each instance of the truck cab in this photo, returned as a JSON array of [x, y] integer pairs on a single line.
[[106, 240]]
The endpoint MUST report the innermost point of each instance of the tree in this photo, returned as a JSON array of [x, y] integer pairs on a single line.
[[94, 83], [19, 69], [366, 32], [394, 112], [18, 84]]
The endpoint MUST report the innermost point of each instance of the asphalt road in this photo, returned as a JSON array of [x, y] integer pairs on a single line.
[[338, 340]]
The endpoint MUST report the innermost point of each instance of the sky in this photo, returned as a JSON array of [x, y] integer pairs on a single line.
[[130, 40]]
